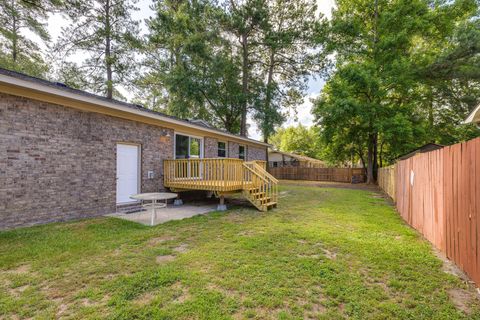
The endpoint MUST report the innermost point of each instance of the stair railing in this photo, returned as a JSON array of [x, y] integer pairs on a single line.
[[260, 179]]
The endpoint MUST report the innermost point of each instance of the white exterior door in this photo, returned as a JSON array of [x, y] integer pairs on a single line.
[[127, 172]]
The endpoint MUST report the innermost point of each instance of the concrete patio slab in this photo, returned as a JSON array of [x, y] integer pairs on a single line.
[[166, 214]]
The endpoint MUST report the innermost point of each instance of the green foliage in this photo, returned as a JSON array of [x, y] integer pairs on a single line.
[[289, 54], [388, 93], [191, 71], [17, 18], [300, 140], [106, 33], [219, 62]]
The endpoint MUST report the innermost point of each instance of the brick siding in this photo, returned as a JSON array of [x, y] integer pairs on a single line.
[[256, 153], [58, 163]]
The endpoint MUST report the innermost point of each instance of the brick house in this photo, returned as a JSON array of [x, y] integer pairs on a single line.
[[68, 154]]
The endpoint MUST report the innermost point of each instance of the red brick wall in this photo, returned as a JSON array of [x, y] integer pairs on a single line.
[[58, 163]]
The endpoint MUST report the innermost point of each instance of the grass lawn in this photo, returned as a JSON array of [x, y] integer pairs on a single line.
[[325, 253]]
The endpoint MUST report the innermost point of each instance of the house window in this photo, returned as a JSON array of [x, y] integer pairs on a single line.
[[275, 164], [222, 149], [188, 147], [241, 152]]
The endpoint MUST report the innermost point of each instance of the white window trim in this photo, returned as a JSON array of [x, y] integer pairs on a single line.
[[189, 137]]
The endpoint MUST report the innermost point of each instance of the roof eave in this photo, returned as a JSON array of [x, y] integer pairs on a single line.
[[22, 83], [471, 117]]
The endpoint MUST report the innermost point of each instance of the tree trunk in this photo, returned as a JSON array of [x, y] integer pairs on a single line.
[[380, 155], [362, 160], [268, 96], [375, 157], [370, 159], [430, 116], [15, 37], [108, 55], [245, 72]]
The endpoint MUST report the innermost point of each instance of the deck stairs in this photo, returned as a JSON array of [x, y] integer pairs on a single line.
[[259, 186], [224, 176]]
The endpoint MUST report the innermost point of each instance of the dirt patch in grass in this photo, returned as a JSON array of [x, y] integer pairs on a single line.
[[23, 269], [225, 292], [311, 256], [182, 248], [17, 292], [450, 267], [246, 233], [164, 259], [316, 309], [144, 299], [461, 299], [183, 293], [159, 240], [61, 309], [330, 254]]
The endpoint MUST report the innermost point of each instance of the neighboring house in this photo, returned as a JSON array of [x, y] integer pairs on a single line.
[[69, 154], [474, 116], [425, 148], [286, 159]]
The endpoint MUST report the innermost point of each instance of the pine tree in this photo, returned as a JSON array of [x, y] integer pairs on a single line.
[[105, 31], [17, 51]]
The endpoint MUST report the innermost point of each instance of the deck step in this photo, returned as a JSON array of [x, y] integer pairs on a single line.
[[265, 199], [262, 192], [258, 194], [270, 204]]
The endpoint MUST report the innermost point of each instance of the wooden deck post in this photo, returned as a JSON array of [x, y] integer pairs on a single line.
[[222, 206]]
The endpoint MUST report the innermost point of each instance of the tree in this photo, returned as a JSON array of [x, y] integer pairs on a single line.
[[448, 74], [179, 34], [17, 51], [300, 140], [192, 70], [105, 32], [244, 19], [289, 54], [373, 98]]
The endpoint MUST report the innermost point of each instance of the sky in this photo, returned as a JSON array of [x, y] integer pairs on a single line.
[[304, 116]]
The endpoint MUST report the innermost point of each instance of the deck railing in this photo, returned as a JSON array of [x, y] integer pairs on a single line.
[[209, 174], [264, 183], [224, 175]]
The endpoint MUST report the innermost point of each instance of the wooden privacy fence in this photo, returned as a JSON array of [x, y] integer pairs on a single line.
[[438, 193], [386, 180], [319, 174]]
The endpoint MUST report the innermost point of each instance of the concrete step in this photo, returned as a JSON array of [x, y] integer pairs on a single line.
[[130, 208]]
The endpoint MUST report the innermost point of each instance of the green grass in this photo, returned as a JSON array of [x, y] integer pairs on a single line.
[[323, 254]]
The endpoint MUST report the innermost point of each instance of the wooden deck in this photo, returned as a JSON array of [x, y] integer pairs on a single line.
[[210, 185], [223, 175]]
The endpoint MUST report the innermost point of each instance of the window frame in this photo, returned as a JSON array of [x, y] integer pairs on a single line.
[[226, 149], [244, 152], [190, 136]]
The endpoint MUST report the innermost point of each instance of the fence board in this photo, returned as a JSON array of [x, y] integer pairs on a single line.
[[317, 174], [438, 193], [386, 180]]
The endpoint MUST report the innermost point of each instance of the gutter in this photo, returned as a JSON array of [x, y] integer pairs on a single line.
[[90, 98]]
